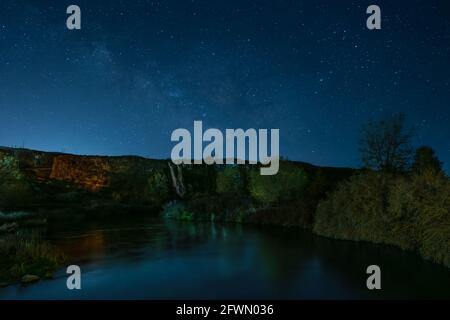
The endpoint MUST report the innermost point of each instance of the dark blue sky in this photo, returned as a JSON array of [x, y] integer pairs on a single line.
[[140, 69]]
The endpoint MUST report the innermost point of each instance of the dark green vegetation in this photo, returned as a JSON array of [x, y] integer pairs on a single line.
[[241, 194], [39, 186], [399, 198], [14, 187], [25, 255], [410, 211], [392, 202]]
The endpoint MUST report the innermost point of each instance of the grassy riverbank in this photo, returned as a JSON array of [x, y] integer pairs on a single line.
[[26, 257], [410, 211]]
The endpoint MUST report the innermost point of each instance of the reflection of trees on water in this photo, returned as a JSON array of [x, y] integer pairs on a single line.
[[284, 259], [85, 247], [199, 232], [136, 238], [292, 258], [402, 271]]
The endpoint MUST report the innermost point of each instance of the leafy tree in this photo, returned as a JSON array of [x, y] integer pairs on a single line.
[[426, 159], [386, 144], [9, 170], [14, 187], [287, 184], [157, 190], [229, 181], [199, 179]]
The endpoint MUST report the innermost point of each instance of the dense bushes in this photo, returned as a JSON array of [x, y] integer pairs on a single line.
[[14, 188], [230, 180], [421, 207], [23, 253], [140, 185], [220, 208], [157, 189], [411, 211], [287, 185], [241, 194], [199, 180], [356, 210]]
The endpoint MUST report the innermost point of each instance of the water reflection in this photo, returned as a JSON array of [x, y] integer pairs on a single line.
[[146, 257]]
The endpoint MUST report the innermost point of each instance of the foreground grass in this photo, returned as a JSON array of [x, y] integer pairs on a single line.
[[25, 253]]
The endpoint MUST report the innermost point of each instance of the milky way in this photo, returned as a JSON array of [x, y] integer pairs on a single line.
[[137, 70]]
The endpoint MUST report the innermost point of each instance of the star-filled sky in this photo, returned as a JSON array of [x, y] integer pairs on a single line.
[[138, 69]]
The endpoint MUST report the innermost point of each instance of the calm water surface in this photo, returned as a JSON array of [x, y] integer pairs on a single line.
[[150, 258]]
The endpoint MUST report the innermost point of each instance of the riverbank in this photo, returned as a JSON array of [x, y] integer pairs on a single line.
[[409, 210], [147, 257], [25, 257]]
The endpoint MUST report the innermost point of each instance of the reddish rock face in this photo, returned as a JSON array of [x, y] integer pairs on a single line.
[[88, 172], [92, 173]]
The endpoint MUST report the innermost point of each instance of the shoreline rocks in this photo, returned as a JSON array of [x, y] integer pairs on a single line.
[[29, 278]]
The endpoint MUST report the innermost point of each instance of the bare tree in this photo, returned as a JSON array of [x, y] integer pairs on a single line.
[[386, 144]]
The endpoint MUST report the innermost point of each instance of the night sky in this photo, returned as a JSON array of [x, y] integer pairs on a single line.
[[137, 70]]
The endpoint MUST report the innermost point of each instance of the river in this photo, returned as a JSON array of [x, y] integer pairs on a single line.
[[152, 258]]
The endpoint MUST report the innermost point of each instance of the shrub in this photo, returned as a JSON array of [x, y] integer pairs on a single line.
[[15, 190], [426, 159], [229, 181], [178, 211], [356, 210], [199, 180], [421, 206], [286, 185], [26, 253], [138, 184], [157, 190], [412, 212]]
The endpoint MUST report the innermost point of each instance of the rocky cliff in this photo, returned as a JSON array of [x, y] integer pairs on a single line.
[[89, 172], [93, 173], [34, 180]]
